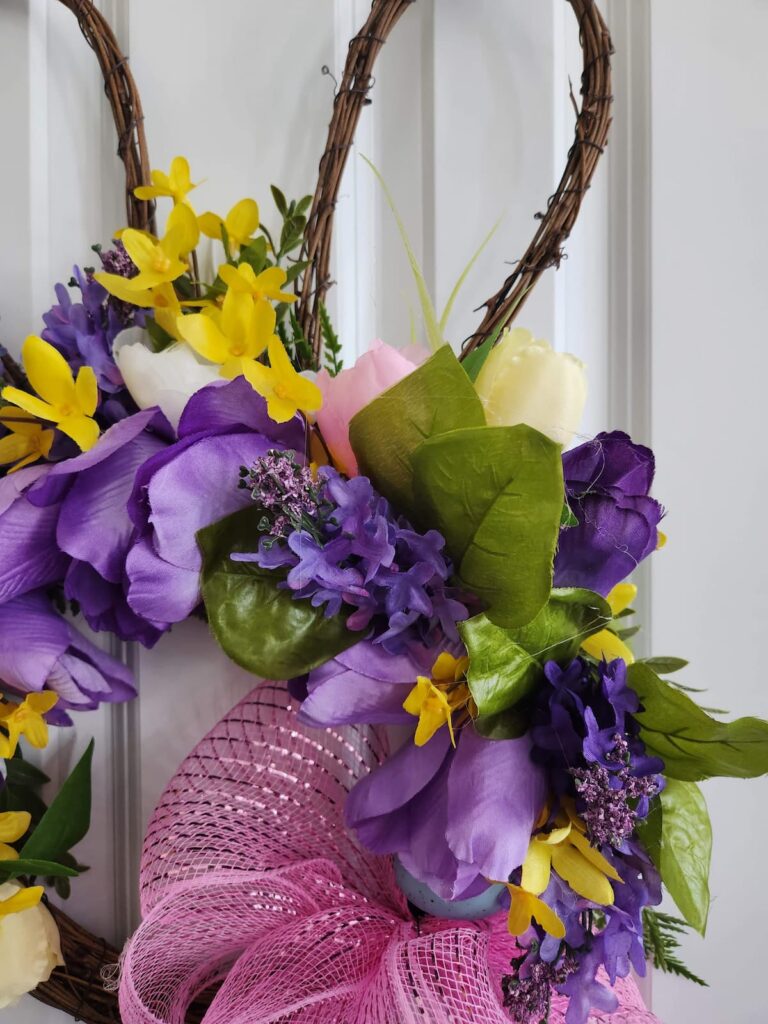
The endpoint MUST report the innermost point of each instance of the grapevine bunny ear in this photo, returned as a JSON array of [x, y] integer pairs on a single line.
[[555, 223], [253, 889]]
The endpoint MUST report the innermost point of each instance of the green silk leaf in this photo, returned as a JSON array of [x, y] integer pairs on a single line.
[[662, 666], [258, 624], [42, 868], [686, 850], [506, 665], [67, 819], [693, 745], [437, 397], [496, 495]]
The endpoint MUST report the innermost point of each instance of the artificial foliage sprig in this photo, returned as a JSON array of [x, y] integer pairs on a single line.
[[661, 941], [331, 344]]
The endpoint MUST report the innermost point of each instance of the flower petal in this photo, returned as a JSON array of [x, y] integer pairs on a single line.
[[48, 372], [82, 429], [242, 220]]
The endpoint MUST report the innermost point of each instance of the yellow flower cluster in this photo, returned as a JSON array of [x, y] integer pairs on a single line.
[[239, 327]]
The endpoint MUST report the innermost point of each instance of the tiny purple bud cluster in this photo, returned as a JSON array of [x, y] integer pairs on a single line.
[[290, 498], [345, 549], [117, 261], [611, 795], [528, 992]]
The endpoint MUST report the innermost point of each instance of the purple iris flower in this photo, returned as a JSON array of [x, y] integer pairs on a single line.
[[39, 649], [186, 486], [29, 554], [607, 482]]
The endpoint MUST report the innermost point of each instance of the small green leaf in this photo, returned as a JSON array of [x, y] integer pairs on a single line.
[[567, 518], [259, 625], [686, 850], [649, 830], [496, 494], [67, 819], [255, 254], [280, 201], [661, 666], [506, 725], [570, 616], [27, 866], [22, 773], [437, 397], [692, 745], [159, 337]]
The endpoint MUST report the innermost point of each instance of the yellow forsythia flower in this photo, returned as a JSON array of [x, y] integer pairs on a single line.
[[26, 443]]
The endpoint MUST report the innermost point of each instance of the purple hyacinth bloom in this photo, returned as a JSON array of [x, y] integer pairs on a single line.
[[415, 805], [187, 486], [359, 557], [41, 650], [607, 482]]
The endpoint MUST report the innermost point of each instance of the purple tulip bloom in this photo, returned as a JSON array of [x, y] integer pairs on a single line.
[[187, 486], [416, 805], [41, 650], [607, 484], [89, 494], [29, 555]]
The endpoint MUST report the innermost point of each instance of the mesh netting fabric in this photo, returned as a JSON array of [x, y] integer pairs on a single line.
[[252, 886]]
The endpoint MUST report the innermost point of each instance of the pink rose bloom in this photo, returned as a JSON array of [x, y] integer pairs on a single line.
[[347, 393]]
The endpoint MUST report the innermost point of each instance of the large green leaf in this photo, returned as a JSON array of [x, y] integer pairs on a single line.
[[67, 819], [693, 745], [436, 397], [500, 672], [505, 665], [496, 494], [686, 850], [258, 624]]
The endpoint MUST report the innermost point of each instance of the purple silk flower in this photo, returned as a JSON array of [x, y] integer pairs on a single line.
[[39, 649], [607, 483]]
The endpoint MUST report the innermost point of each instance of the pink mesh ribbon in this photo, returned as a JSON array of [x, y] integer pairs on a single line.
[[252, 888]]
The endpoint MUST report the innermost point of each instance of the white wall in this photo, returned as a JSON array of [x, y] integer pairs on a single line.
[[710, 365]]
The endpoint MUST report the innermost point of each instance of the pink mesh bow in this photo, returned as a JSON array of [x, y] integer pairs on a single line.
[[252, 888]]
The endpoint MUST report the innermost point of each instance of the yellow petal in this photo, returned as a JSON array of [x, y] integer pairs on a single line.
[[8, 852], [444, 667], [145, 192], [621, 597], [182, 232], [87, 390], [140, 247], [166, 318], [582, 844], [21, 900], [122, 288], [306, 394], [412, 703], [48, 372], [29, 403], [240, 278], [524, 906], [41, 701], [280, 410], [15, 447], [582, 876], [661, 540], [605, 645], [264, 320], [537, 867], [269, 283], [82, 429], [210, 224], [204, 336], [13, 825], [19, 421], [242, 221], [180, 177]]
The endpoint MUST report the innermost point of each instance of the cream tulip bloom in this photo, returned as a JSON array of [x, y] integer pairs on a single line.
[[167, 379], [524, 380], [29, 948]]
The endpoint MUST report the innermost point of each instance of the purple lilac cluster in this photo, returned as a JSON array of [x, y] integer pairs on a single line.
[[611, 795], [527, 992], [287, 493], [84, 331], [361, 556]]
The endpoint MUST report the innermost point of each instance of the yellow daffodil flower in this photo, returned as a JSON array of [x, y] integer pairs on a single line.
[[524, 906], [26, 443], [605, 644], [175, 185], [159, 261], [285, 390], [26, 719], [434, 700], [21, 900], [240, 223], [266, 285], [13, 825], [566, 849], [661, 540], [67, 401], [241, 331]]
